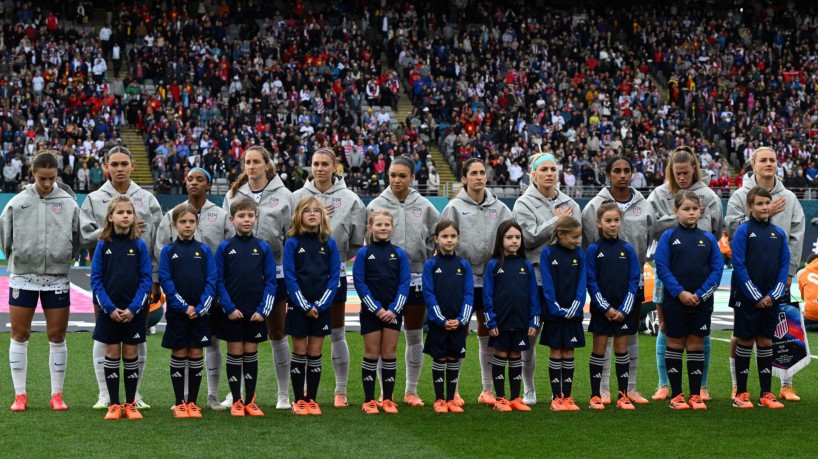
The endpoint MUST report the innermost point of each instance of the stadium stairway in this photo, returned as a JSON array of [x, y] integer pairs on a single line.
[[136, 144], [97, 19]]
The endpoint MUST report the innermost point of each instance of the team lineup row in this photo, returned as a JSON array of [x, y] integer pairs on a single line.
[[286, 247]]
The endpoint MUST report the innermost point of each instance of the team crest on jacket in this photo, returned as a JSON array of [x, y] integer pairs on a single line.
[[493, 213], [137, 202], [637, 210], [336, 202], [416, 211], [273, 202], [57, 207], [211, 216]]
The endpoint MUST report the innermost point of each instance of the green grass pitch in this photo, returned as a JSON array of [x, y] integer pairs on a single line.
[[650, 431]]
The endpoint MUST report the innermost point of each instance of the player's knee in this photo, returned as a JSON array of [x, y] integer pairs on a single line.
[[21, 336]]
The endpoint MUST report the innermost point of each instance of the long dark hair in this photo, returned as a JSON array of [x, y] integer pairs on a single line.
[[502, 229]]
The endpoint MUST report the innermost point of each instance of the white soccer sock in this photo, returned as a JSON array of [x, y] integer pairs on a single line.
[[18, 361], [281, 360], [633, 352], [142, 358], [213, 361], [340, 359], [786, 381], [529, 359], [733, 370], [57, 358], [606, 368], [486, 354], [414, 359], [99, 367], [379, 372]]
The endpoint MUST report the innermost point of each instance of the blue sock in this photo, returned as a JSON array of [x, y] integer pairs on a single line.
[[706, 370], [661, 347]]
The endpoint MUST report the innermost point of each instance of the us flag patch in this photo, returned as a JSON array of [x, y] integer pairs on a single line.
[[416, 211], [211, 216], [336, 202], [137, 202], [783, 327], [57, 208], [493, 213], [637, 210], [273, 202]]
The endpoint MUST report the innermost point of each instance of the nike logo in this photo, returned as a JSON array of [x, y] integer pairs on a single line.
[[25, 206], [466, 213], [59, 364], [537, 207]]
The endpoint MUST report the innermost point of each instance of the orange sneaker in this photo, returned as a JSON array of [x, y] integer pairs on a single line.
[[742, 400], [788, 394], [768, 400], [341, 401], [454, 407], [697, 403], [390, 407], [300, 408], [131, 412], [636, 398], [412, 400], [114, 413], [605, 395], [733, 393], [458, 400], [180, 411], [486, 398], [441, 406], [596, 403], [20, 402], [519, 405], [679, 403], [57, 403], [313, 408], [237, 409], [370, 407], [557, 405], [705, 394], [252, 409], [193, 411], [502, 404], [624, 402], [661, 393], [569, 404]]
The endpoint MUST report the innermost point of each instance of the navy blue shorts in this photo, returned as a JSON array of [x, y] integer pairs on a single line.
[[281, 291], [299, 325], [751, 322], [110, 332], [181, 332], [478, 299], [441, 343], [341, 293], [28, 298], [242, 330], [688, 321], [370, 322], [511, 341], [600, 325], [562, 334]]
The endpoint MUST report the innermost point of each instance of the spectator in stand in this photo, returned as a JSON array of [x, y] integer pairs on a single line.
[[11, 178]]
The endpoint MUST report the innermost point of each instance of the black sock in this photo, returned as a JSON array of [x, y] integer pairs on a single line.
[[623, 363], [389, 370], [369, 371], [673, 362], [250, 373], [313, 376], [298, 371], [498, 371], [515, 377], [695, 370], [567, 376], [439, 378], [234, 364], [764, 361], [743, 354], [131, 375], [112, 379], [452, 374], [194, 378], [177, 378], [595, 370], [555, 375]]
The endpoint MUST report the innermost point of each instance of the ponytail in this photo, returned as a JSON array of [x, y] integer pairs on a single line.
[[242, 178]]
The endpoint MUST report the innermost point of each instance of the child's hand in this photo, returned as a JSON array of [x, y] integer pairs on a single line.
[[257, 317], [768, 302], [495, 332], [452, 324], [313, 313], [687, 299], [532, 332], [619, 316], [126, 315], [380, 313], [610, 314], [697, 299], [115, 315], [191, 312], [388, 316], [235, 315]]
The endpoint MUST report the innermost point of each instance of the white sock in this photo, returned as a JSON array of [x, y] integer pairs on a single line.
[[57, 358], [99, 367], [733, 370], [529, 359], [281, 360], [379, 372], [340, 359], [18, 361], [486, 355], [633, 352], [786, 381], [213, 361], [142, 357], [414, 359], [606, 368]]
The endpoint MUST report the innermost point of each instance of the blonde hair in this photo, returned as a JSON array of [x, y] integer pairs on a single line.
[[108, 230], [371, 218], [242, 178], [565, 224], [682, 155], [759, 150], [297, 227]]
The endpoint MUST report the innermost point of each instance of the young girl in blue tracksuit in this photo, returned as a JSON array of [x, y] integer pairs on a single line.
[[613, 282], [187, 274], [312, 266], [448, 289], [511, 301], [382, 275], [562, 265], [121, 279]]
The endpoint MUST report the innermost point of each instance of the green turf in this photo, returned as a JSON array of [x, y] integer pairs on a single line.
[[651, 430]]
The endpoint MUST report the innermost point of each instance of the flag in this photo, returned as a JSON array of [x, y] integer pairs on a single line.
[[790, 346]]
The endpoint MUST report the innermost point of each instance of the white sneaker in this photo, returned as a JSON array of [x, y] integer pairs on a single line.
[[283, 402], [530, 397], [102, 402], [140, 404], [228, 401], [213, 403]]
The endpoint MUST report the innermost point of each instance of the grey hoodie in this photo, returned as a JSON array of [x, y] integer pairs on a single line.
[[711, 220], [414, 224], [214, 227], [535, 214], [478, 224], [275, 211], [348, 219], [791, 219], [637, 222], [40, 235]]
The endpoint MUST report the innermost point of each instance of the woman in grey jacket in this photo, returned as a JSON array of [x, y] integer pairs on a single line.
[[537, 212], [347, 216], [414, 220], [119, 165], [637, 228], [39, 232]]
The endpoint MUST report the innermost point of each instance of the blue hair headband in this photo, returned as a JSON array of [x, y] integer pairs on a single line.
[[206, 173], [543, 158]]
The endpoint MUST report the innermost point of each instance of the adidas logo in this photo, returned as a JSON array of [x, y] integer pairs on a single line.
[[371, 257], [136, 336], [326, 327], [133, 376], [439, 380], [697, 372], [574, 339], [625, 375], [204, 339], [555, 380], [704, 327], [624, 327], [745, 372], [316, 370], [108, 252], [248, 377], [601, 255], [463, 351], [500, 377], [752, 234], [258, 335], [676, 242], [369, 378], [672, 371], [175, 256], [439, 271], [500, 271], [390, 379], [301, 250], [453, 381], [765, 371], [232, 379], [113, 376], [176, 375], [597, 376], [554, 263], [232, 252], [518, 378], [295, 371], [522, 343], [568, 380]]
